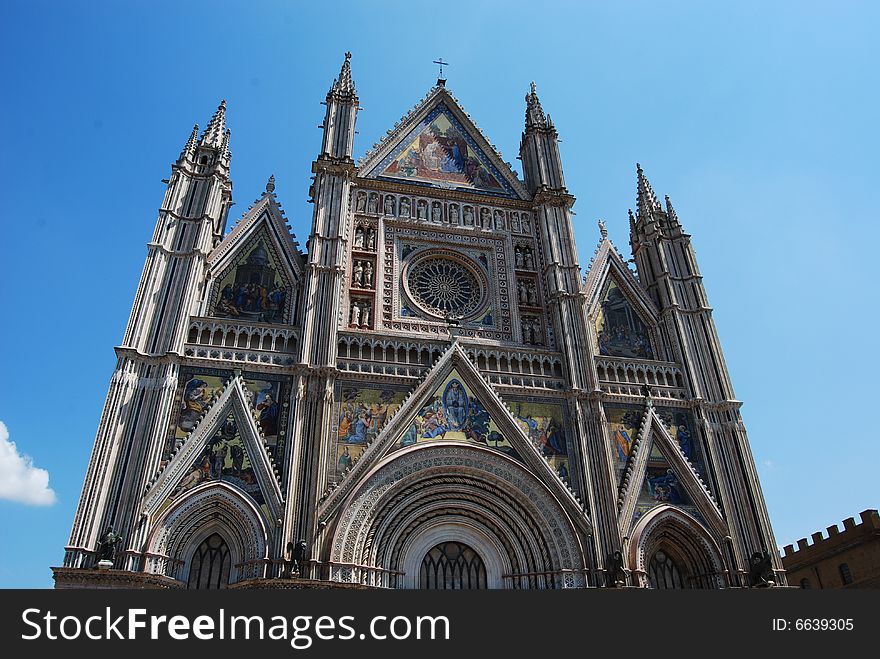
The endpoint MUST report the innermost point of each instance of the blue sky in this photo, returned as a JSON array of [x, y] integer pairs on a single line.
[[758, 119]]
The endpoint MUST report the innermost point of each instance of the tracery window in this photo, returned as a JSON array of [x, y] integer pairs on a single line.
[[663, 573], [444, 287], [452, 566], [209, 568]]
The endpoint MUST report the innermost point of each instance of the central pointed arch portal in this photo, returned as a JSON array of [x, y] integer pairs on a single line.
[[509, 529]]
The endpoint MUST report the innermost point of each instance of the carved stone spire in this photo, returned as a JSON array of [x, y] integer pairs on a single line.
[[190, 147], [216, 129], [671, 215], [535, 117], [344, 83], [645, 197], [270, 184]]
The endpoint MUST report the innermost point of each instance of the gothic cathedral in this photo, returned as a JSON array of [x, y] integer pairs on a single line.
[[431, 395]]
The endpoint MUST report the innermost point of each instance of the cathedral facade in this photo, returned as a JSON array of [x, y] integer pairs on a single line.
[[432, 394]]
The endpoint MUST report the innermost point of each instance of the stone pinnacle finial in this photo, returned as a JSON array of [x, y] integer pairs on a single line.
[[190, 146], [270, 184], [602, 230], [534, 112], [344, 83], [645, 197], [213, 136], [670, 212]]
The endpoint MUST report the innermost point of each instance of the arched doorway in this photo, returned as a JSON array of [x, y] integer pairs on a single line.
[[670, 549], [424, 496], [664, 573], [452, 566], [180, 544], [209, 567]]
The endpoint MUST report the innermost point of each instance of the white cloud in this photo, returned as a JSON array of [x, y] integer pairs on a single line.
[[20, 480]]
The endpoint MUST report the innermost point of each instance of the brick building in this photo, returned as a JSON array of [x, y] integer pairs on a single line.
[[847, 559]]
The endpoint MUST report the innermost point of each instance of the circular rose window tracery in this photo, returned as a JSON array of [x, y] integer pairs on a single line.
[[444, 287]]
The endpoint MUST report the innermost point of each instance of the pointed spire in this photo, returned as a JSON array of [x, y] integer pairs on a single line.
[[535, 117], [190, 146], [645, 197], [216, 129], [270, 184], [671, 214], [344, 83]]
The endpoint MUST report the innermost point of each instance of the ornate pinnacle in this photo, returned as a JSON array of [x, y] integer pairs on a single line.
[[534, 112], [645, 197], [190, 146], [344, 83], [270, 184], [670, 212], [216, 127]]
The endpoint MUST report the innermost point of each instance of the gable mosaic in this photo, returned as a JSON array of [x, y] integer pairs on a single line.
[[199, 387], [620, 331], [439, 152], [253, 288]]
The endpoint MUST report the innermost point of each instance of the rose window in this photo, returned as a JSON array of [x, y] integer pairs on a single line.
[[444, 287]]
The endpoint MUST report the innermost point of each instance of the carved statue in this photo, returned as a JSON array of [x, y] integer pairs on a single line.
[[294, 564], [528, 332], [373, 205], [389, 205], [287, 563], [518, 257], [761, 570], [361, 202], [359, 237], [527, 258], [616, 575], [422, 209], [523, 296], [532, 295], [499, 220], [365, 316], [404, 207], [368, 275], [514, 222], [485, 218], [357, 277], [355, 314], [299, 555], [108, 545], [468, 216], [453, 213], [536, 333], [371, 238], [526, 223], [436, 212]]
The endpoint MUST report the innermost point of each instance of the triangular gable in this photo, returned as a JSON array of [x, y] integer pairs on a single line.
[[256, 268], [226, 446], [657, 473], [454, 366], [265, 213], [621, 313], [607, 260], [438, 145], [455, 412]]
